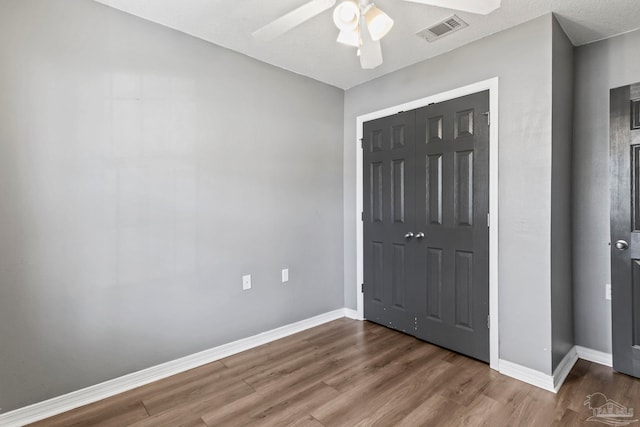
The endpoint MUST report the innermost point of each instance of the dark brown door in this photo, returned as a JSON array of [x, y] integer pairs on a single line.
[[425, 223], [625, 228]]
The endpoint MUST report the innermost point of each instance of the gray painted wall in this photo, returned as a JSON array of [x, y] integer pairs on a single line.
[[525, 170], [142, 172], [561, 244], [600, 67]]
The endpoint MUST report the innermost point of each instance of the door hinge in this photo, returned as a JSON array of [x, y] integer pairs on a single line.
[[488, 114], [488, 321], [362, 143], [488, 220], [362, 216], [362, 288]]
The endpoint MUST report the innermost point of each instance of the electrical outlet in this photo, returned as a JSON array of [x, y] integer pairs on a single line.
[[607, 291], [285, 275], [246, 282]]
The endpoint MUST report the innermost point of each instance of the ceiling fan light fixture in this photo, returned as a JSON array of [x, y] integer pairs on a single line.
[[378, 22], [349, 38], [346, 15]]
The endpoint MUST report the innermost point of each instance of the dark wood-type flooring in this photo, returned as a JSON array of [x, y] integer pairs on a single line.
[[352, 373]]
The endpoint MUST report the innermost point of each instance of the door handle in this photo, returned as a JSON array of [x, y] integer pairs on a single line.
[[622, 245], [408, 235], [420, 235]]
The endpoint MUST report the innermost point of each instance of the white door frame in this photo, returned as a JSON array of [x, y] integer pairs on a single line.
[[492, 86]]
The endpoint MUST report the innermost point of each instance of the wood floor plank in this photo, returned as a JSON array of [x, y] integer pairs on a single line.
[[174, 381], [374, 391], [409, 395], [189, 412], [473, 414], [307, 421], [352, 373], [102, 414], [268, 358], [604, 380], [290, 345], [305, 377], [234, 413], [465, 386], [336, 349], [533, 412], [633, 392], [350, 377], [341, 356], [258, 409], [289, 411], [506, 391], [569, 419], [266, 353], [282, 386], [192, 391], [429, 412], [129, 405]]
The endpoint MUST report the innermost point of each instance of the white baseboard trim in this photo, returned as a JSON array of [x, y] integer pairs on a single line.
[[550, 383], [563, 369], [67, 402], [352, 314], [527, 375], [594, 356]]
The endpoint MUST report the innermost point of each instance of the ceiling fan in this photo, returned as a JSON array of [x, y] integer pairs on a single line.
[[361, 23]]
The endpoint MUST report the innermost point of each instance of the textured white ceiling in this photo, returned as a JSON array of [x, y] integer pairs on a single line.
[[311, 50]]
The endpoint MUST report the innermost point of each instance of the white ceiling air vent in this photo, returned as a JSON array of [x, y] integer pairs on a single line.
[[443, 28]]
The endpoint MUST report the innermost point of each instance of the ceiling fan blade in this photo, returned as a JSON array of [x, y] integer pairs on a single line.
[[293, 19], [370, 51], [481, 7]]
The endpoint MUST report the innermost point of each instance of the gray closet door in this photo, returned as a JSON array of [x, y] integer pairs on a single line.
[[452, 202], [388, 216], [426, 250]]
